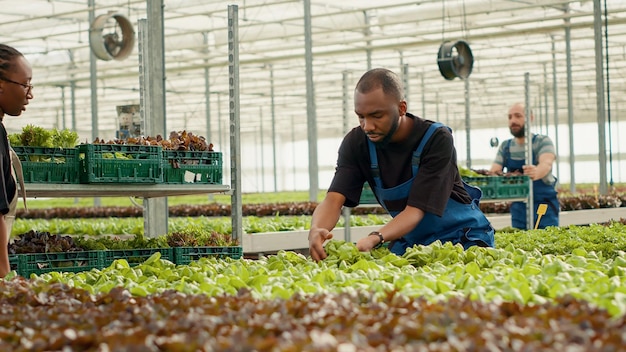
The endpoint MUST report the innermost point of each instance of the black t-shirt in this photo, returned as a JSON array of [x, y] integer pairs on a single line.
[[437, 179], [7, 183]]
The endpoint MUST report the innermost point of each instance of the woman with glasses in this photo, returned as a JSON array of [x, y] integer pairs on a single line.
[[15, 92]]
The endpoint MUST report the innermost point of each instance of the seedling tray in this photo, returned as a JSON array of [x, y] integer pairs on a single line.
[[13, 262], [501, 187], [185, 255], [192, 167], [120, 163], [48, 165], [513, 187], [40, 263], [136, 256]]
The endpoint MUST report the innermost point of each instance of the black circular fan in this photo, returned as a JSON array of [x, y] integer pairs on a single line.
[[455, 59], [111, 36]]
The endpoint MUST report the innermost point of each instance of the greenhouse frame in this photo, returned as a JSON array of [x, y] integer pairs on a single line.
[[296, 92], [171, 109]]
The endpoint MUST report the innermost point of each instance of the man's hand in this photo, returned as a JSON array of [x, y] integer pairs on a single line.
[[539, 171], [530, 171], [534, 172], [366, 243], [317, 237], [324, 219]]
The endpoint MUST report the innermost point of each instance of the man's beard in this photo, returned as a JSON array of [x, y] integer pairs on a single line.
[[385, 141], [520, 133]]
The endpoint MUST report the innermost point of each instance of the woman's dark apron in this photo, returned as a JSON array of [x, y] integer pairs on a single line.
[[16, 172]]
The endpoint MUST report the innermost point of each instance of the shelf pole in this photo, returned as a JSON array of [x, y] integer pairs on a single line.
[[152, 103], [528, 151], [235, 138]]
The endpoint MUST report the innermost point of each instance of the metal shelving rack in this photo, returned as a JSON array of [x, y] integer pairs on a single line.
[[156, 219]]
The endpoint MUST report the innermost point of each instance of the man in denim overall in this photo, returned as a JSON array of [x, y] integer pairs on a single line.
[[410, 165], [511, 158]]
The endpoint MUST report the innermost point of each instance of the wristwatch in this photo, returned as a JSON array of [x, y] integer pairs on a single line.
[[380, 236]]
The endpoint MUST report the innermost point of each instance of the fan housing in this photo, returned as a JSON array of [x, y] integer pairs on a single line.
[[118, 41], [455, 59]]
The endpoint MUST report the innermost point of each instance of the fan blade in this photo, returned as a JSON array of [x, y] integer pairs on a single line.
[[465, 60]]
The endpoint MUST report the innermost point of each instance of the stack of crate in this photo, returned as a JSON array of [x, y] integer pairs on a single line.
[[119, 163]]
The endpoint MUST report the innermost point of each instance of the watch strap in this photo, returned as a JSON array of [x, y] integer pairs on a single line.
[[380, 237]]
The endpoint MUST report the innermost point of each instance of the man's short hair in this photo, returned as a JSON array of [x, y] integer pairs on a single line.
[[384, 78]]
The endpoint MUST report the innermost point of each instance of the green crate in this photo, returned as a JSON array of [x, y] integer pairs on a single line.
[[192, 167], [185, 255], [120, 163], [13, 262], [487, 185], [40, 263], [48, 165], [513, 187], [136, 256], [501, 187], [367, 195]]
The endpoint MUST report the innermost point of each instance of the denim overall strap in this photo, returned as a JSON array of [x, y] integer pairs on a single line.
[[515, 165], [415, 161]]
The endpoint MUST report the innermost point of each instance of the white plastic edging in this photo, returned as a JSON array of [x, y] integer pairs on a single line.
[[289, 240]]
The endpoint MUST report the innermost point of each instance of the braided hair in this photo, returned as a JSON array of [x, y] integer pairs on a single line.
[[8, 54], [7, 57]]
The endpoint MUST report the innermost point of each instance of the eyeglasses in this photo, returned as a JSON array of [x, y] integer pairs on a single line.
[[27, 87]]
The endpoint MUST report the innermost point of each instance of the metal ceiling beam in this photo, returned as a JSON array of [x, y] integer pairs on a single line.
[[511, 27]]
